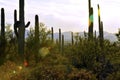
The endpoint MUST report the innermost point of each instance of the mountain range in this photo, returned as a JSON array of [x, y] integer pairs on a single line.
[[67, 35]]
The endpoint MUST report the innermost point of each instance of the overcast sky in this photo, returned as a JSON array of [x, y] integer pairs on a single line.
[[69, 15]]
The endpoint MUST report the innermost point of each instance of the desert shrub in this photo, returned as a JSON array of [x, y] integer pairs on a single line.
[[114, 76], [9, 70], [47, 72], [81, 74]]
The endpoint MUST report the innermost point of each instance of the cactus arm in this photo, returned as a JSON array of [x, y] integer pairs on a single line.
[[27, 24], [16, 25]]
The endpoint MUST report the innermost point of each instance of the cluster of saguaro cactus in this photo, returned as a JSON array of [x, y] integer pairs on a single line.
[[2, 43], [61, 41], [19, 27], [101, 37], [90, 30]]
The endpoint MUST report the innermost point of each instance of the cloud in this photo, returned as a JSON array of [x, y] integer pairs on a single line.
[[67, 14]]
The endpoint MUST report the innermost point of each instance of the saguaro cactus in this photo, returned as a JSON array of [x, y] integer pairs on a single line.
[[15, 16], [21, 27], [72, 38], [2, 30], [101, 35], [52, 34], [36, 37], [59, 39], [2, 23], [16, 24], [37, 29], [99, 20], [90, 29], [62, 43], [101, 38]]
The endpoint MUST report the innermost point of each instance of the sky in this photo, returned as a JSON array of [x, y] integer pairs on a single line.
[[69, 15]]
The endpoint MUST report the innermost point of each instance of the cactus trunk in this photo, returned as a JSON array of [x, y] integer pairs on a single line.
[[36, 37], [52, 34], [90, 28], [101, 34], [3, 29], [37, 29], [59, 39], [2, 40], [2, 44], [62, 43], [101, 38], [72, 38], [21, 29]]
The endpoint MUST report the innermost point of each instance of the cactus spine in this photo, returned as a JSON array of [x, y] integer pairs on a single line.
[[52, 34], [59, 39], [90, 30], [2, 30]]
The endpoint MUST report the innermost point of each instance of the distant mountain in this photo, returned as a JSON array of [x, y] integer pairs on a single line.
[[110, 36], [67, 35]]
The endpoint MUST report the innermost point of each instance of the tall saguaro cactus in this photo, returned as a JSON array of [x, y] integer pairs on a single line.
[[101, 38], [36, 37], [37, 29], [2, 30], [72, 38], [90, 28], [52, 34], [59, 39], [21, 28], [101, 35], [62, 43], [2, 23]]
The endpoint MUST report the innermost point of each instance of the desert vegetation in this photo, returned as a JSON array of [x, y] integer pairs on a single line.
[[40, 57]]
